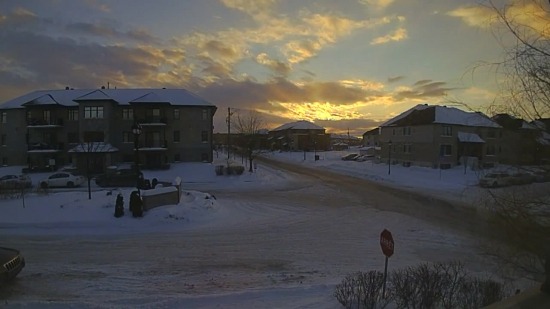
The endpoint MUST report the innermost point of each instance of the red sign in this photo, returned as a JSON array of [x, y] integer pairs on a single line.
[[386, 242]]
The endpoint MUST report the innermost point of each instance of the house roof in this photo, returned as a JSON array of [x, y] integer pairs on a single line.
[[466, 137], [513, 123], [429, 114], [299, 125], [71, 97]]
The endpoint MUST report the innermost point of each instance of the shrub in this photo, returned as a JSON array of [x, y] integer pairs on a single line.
[[439, 285], [361, 290], [235, 170]]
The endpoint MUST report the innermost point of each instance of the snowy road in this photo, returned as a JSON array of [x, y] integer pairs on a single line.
[[304, 236]]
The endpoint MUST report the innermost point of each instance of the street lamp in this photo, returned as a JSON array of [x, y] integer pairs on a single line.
[[136, 130], [389, 157]]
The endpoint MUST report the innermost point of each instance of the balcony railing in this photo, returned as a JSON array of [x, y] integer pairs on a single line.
[[44, 147], [35, 122], [153, 120]]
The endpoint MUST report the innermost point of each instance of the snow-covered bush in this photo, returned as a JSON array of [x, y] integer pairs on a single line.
[[439, 285]]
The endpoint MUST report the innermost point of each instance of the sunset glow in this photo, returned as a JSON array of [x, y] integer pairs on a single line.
[[340, 64]]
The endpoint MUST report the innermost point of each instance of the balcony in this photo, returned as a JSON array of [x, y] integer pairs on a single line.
[[44, 123], [41, 147], [153, 146], [153, 121]]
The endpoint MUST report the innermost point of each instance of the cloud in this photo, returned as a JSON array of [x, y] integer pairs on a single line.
[[423, 89], [377, 5], [395, 79], [278, 67], [110, 31], [475, 16], [257, 9], [398, 35]]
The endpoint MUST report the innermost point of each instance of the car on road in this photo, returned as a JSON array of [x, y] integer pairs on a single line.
[[118, 178], [62, 179], [15, 182], [11, 263], [496, 179], [350, 157]]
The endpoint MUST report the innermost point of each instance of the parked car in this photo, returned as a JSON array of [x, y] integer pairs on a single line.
[[494, 180], [118, 178], [62, 179], [11, 263], [541, 176], [521, 179], [350, 157], [14, 181], [363, 158]]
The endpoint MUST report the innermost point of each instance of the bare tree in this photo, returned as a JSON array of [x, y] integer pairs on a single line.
[[249, 125], [525, 69], [524, 217]]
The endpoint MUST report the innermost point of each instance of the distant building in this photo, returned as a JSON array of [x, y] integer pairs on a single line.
[[299, 136], [521, 143], [439, 136], [370, 138], [52, 128]]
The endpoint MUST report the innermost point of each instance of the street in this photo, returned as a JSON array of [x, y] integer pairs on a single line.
[[313, 231]]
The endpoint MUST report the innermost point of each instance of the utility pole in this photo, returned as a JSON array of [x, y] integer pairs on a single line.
[[228, 132]]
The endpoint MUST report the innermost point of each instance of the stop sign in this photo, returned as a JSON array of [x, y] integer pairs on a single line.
[[386, 242]]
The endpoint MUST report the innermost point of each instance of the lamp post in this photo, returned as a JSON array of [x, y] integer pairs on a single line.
[[389, 157], [136, 130]]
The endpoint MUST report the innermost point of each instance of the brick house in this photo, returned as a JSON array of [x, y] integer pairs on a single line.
[[439, 136], [299, 136], [53, 128]]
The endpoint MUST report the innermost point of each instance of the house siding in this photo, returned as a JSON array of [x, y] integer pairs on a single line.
[[195, 125]]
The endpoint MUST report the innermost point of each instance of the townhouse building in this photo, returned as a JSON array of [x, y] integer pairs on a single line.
[[53, 128], [299, 136], [439, 136]]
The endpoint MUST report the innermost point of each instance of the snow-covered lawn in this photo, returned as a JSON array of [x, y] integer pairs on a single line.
[[69, 212]]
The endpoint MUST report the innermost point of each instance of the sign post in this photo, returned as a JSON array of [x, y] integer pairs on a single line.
[[387, 244]]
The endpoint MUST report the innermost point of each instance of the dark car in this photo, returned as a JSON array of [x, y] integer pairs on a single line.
[[11, 262], [118, 178]]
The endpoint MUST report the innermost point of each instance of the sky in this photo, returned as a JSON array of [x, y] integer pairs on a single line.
[[61, 216], [344, 65]]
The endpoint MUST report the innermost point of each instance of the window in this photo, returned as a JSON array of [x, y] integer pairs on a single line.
[[490, 150], [491, 134], [93, 112], [393, 132], [204, 157], [4, 117], [73, 114], [407, 148], [46, 116], [3, 140], [176, 113], [204, 136], [176, 136], [4, 161], [204, 114], [406, 130], [447, 131], [127, 137], [177, 157], [156, 112], [445, 150], [127, 114]]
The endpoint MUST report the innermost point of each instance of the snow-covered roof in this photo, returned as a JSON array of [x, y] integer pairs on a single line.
[[469, 137], [299, 125], [71, 97], [442, 115]]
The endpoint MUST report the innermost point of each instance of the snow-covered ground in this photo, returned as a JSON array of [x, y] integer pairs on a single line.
[[64, 212]]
